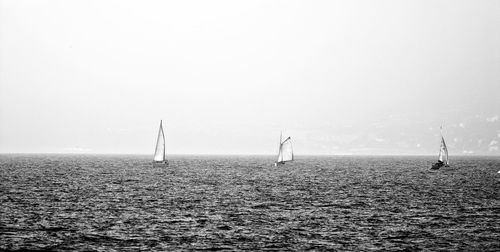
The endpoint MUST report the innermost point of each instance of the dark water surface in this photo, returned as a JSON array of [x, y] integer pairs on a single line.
[[106, 203]]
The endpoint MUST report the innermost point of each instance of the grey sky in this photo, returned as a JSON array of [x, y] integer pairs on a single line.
[[339, 77]]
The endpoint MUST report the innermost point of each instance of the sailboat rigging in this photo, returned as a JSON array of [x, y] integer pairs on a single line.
[[285, 151], [159, 158], [443, 154]]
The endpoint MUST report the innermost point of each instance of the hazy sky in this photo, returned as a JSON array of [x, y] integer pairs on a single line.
[[339, 77]]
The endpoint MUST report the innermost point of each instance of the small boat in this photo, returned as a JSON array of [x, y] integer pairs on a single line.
[[443, 154], [285, 152], [159, 158]]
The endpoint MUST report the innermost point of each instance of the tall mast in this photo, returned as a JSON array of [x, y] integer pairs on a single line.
[[163, 135], [440, 141], [279, 148]]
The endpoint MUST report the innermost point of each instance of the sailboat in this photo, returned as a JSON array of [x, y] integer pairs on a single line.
[[159, 158], [285, 152], [443, 154]]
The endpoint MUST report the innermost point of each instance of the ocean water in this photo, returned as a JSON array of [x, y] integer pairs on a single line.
[[122, 203]]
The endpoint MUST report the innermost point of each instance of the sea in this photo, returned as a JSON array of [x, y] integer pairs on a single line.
[[234, 203]]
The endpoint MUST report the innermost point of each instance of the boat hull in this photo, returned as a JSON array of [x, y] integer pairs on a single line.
[[436, 166], [160, 164]]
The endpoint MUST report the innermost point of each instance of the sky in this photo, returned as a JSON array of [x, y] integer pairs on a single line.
[[226, 77]]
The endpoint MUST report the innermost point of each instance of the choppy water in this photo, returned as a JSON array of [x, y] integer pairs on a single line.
[[69, 202]]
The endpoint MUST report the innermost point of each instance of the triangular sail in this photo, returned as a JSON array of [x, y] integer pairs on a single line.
[[160, 146], [285, 151], [443, 152], [279, 149]]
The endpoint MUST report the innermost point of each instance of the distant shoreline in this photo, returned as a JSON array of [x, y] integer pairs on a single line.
[[239, 155]]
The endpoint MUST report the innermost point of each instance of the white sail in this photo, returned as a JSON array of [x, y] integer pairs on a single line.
[[443, 152], [285, 151], [160, 146], [279, 150]]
